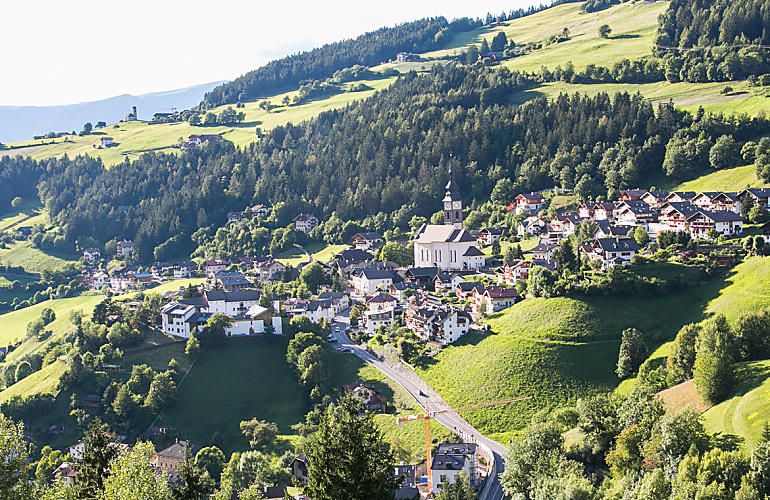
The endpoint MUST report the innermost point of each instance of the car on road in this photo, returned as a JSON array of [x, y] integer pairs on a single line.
[[331, 339], [344, 349]]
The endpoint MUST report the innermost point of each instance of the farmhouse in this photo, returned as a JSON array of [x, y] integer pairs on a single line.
[[196, 140], [490, 235], [530, 226], [758, 195], [680, 196], [635, 214], [655, 199], [305, 222], [268, 269], [514, 271], [631, 194], [171, 458], [367, 394], [234, 217], [545, 250], [493, 299], [446, 281], [258, 210], [352, 256]]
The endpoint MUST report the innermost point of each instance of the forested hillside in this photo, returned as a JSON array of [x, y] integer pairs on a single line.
[[705, 23], [368, 49], [395, 163]]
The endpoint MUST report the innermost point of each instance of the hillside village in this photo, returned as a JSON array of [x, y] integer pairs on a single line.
[[439, 268]]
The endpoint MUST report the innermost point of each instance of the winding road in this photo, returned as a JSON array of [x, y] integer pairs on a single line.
[[430, 400]]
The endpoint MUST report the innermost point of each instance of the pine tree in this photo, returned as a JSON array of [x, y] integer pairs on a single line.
[[98, 453], [347, 457], [633, 352], [196, 483]]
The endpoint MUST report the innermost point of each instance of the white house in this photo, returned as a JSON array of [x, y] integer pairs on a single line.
[[340, 301], [99, 279], [305, 222], [92, 254], [230, 303], [612, 251], [451, 460], [490, 235], [214, 266], [725, 222], [124, 247], [368, 281], [253, 322], [493, 299], [380, 311], [530, 226], [180, 320]]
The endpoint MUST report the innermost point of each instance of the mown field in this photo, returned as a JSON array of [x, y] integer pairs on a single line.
[[730, 179]]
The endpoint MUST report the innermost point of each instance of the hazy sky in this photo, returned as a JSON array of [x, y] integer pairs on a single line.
[[56, 52]]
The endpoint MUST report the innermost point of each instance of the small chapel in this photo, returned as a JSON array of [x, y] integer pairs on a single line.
[[448, 246]]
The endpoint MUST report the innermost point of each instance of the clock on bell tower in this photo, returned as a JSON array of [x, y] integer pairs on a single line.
[[453, 203]]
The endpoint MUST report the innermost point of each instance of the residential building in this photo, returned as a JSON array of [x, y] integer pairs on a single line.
[[124, 247], [230, 303], [603, 210], [631, 194], [258, 210], [367, 394], [367, 241], [759, 196], [490, 235], [607, 230], [635, 214], [380, 311], [65, 473], [545, 250], [680, 196], [214, 266], [171, 458], [466, 289], [196, 140], [352, 256], [99, 279], [369, 280], [421, 276], [180, 320], [493, 299], [228, 281], [450, 461], [674, 214], [515, 271], [432, 321], [92, 254], [233, 217], [446, 281], [530, 226], [183, 269], [305, 222], [268, 269], [724, 222], [655, 199], [612, 251], [340, 301], [528, 203], [255, 322]]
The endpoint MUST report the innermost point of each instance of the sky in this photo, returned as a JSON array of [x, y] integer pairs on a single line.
[[58, 52]]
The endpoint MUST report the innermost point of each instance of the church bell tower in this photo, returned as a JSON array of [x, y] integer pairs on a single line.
[[453, 204]]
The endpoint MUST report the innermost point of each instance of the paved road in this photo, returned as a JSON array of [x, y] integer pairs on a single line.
[[429, 400]]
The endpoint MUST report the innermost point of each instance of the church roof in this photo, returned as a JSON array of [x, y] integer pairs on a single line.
[[433, 233]]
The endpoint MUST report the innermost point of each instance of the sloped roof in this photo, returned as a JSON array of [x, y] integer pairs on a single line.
[[472, 251], [618, 244], [431, 233], [235, 296], [368, 235]]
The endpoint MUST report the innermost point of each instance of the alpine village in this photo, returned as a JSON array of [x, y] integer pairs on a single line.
[[523, 256]]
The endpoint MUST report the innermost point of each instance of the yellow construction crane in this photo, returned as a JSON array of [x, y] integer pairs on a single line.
[[428, 415]]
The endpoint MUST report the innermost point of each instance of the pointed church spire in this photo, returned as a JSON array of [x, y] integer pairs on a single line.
[[453, 203]]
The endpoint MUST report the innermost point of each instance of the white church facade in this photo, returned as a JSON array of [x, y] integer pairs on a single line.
[[448, 246]]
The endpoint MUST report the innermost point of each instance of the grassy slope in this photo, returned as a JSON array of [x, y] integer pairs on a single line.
[[559, 349], [748, 289], [14, 323], [731, 179], [44, 381], [246, 378], [745, 414], [135, 138]]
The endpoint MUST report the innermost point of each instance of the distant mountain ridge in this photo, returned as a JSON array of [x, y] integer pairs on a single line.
[[18, 123]]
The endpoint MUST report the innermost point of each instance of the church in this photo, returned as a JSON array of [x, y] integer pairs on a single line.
[[448, 246]]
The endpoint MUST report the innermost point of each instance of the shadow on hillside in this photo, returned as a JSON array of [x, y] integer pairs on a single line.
[[727, 442], [624, 36], [523, 96], [253, 123]]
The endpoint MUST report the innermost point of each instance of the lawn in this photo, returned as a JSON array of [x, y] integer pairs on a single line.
[[745, 414], [29, 207], [246, 378], [321, 252]]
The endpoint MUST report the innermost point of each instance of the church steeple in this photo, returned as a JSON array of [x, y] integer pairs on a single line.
[[453, 203]]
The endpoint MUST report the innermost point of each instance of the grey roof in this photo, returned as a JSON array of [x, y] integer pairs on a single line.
[[493, 230], [467, 286], [235, 296], [758, 192], [472, 252], [683, 207], [429, 233], [177, 450], [331, 295], [456, 449], [354, 255], [618, 244], [687, 195], [380, 298], [417, 272], [719, 215], [545, 246], [377, 274]]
